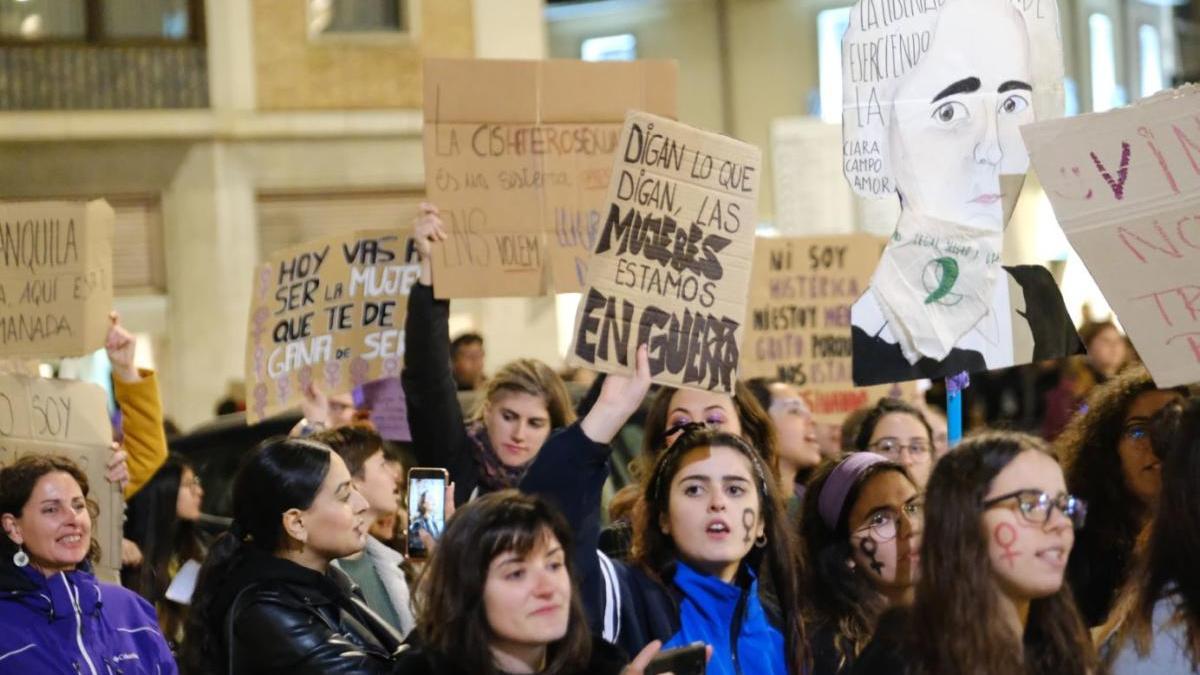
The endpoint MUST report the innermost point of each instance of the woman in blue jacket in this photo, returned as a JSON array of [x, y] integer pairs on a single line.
[[709, 522], [55, 616]]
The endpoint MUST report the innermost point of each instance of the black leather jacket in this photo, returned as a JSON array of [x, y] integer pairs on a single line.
[[289, 619]]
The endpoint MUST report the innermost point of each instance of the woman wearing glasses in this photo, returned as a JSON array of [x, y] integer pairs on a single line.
[[899, 432], [862, 525], [1110, 463], [990, 597], [1155, 625]]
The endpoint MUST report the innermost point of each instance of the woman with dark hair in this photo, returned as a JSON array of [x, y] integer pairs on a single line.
[[268, 599], [799, 446], [670, 411], [161, 519], [55, 616], [861, 533], [1155, 625], [1110, 463], [521, 405], [990, 597], [899, 432], [497, 597], [710, 524]]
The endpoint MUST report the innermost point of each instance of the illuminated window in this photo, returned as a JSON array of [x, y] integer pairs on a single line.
[[831, 26], [352, 17], [1150, 58], [1105, 93], [621, 47]]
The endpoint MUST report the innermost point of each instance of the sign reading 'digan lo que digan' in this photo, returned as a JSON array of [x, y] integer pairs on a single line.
[[671, 266], [328, 312], [55, 277]]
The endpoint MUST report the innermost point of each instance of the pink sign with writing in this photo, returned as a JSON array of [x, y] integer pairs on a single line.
[[1125, 186]]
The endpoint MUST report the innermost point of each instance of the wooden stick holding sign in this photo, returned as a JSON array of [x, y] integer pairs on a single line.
[[671, 266]]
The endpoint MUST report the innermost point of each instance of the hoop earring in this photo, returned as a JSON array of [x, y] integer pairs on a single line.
[[761, 541], [20, 558]]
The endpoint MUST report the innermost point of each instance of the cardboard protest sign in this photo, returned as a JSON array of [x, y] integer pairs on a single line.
[[1125, 186], [68, 418], [798, 319], [55, 277], [933, 98], [517, 157], [388, 408], [329, 312], [671, 267]]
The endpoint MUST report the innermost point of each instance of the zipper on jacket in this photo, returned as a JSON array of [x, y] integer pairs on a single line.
[[739, 616], [78, 624]]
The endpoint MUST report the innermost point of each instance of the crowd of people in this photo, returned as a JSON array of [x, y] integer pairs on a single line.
[[780, 545]]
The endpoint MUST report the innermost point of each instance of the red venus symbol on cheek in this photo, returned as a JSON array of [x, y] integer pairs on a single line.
[[1005, 536]]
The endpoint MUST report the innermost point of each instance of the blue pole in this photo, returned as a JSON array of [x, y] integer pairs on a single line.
[[954, 422]]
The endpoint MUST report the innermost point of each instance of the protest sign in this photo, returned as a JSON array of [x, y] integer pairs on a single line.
[[388, 408], [671, 267], [930, 120], [68, 418], [798, 319], [1125, 185], [329, 312], [55, 277], [517, 157]]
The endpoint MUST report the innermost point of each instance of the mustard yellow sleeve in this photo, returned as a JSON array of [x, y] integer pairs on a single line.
[[142, 421]]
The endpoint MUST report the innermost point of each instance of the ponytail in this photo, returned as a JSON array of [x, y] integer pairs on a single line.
[[202, 650], [280, 474]]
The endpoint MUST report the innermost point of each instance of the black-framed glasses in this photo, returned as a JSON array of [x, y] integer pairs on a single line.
[[1035, 506], [884, 525], [892, 447]]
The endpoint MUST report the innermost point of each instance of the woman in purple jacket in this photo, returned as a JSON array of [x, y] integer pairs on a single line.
[[55, 616]]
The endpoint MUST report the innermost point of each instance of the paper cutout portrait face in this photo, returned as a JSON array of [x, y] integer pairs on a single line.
[[934, 99]]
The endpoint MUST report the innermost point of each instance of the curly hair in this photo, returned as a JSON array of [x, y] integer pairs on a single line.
[[1092, 466]]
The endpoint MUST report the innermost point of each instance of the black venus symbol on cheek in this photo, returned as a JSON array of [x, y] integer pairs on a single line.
[[748, 521], [869, 549]]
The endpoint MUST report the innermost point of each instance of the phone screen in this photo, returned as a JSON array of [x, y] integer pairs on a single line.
[[426, 510]]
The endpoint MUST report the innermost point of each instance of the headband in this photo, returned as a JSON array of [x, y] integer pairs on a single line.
[[833, 493]]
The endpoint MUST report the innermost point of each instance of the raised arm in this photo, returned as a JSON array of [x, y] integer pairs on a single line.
[[439, 436], [571, 469], [136, 391]]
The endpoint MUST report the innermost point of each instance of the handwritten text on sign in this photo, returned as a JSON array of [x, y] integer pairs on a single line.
[[798, 318], [1126, 187], [329, 312], [55, 277], [67, 418], [518, 156], [672, 263]]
